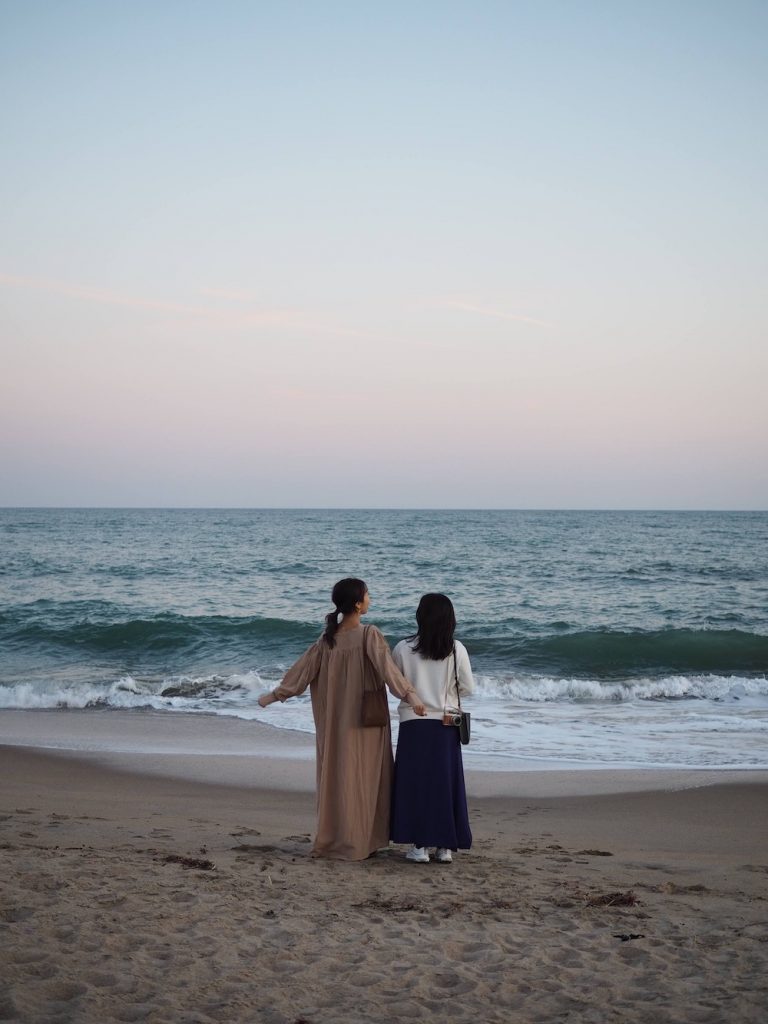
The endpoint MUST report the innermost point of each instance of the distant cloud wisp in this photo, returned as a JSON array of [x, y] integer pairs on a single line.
[[216, 316], [496, 314], [101, 295]]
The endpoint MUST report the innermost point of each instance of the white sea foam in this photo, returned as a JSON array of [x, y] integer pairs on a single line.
[[212, 693], [544, 689], [223, 694], [693, 722]]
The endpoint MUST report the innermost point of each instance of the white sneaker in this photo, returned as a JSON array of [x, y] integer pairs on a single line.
[[443, 856], [418, 854]]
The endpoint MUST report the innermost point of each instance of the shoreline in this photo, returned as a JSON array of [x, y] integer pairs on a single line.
[[236, 752]]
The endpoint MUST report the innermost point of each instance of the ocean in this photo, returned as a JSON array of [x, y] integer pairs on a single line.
[[597, 639]]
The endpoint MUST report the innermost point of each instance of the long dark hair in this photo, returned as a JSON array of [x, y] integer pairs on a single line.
[[345, 595], [436, 620]]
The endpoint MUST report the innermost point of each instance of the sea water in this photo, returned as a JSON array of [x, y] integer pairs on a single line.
[[597, 639]]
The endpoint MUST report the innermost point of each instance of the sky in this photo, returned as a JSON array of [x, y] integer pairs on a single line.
[[457, 254]]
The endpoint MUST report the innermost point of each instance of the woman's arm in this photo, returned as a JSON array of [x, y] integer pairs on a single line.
[[297, 678], [384, 663]]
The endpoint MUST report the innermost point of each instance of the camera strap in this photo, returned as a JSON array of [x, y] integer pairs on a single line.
[[448, 684]]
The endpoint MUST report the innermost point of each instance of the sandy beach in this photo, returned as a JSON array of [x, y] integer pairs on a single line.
[[147, 876]]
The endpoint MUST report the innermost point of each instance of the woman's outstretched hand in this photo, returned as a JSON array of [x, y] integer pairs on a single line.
[[266, 699]]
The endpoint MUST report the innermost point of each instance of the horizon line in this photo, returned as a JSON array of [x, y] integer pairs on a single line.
[[366, 508]]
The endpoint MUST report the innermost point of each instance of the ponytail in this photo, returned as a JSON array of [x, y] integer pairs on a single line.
[[331, 625], [345, 595]]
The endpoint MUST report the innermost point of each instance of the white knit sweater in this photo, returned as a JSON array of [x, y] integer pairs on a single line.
[[434, 681]]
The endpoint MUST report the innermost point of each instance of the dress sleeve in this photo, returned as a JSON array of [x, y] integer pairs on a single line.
[[299, 676], [383, 662], [466, 680]]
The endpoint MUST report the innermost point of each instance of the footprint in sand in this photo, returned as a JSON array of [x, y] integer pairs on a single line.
[[24, 957], [450, 985], [406, 1011], [141, 1011], [255, 848], [183, 897], [12, 915], [471, 950], [64, 991], [101, 980], [44, 971], [8, 1009], [364, 979]]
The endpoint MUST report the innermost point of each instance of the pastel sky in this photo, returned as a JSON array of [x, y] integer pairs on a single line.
[[455, 254]]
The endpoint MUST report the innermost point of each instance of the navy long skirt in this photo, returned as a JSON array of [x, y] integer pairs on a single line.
[[429, 802]]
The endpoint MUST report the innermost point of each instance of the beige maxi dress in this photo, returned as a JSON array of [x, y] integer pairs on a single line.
[[354, 763]]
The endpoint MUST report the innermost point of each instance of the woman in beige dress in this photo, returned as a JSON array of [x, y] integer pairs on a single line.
[[354, 762]]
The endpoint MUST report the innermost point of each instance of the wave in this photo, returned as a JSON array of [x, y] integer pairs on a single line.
[[209, 693], [99, 629], [616, 653], [166, 632], [236, 693], [665, 688]]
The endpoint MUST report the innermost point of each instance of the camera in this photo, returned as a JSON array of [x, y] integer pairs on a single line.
[[452, 718]]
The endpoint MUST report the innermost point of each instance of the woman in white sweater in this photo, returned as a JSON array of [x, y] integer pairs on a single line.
[[429, 802]]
